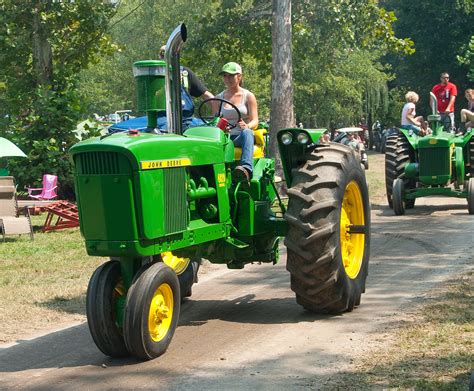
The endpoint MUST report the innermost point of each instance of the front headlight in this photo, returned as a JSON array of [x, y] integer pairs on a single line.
[[302, 138], [286, 138]]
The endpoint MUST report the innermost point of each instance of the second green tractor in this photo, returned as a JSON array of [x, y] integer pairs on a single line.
[[438, 164]]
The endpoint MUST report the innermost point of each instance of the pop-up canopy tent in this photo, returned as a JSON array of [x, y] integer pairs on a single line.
[[8, 149]]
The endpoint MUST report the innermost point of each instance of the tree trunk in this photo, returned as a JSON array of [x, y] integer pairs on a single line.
[[281, 115], [42, 53], [370, 124]]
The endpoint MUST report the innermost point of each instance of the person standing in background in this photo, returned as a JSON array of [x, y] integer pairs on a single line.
[[446, 93]]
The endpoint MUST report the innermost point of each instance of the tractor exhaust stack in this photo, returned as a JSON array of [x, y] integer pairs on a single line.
[[173, 79]]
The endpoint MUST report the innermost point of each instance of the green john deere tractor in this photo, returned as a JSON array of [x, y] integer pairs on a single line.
[[439, 164], [157, 202]]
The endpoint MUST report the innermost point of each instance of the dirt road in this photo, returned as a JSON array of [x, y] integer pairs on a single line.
[[243, 329]]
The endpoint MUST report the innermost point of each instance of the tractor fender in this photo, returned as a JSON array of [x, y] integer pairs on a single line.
[[293, 153]]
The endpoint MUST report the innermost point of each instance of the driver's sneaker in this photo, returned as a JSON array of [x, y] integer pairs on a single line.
[[241, 174]]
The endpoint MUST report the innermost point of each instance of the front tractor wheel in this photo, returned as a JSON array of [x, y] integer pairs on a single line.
[[328, 236], [105, 297], [398, 153], [152, 312], [470, 196], [397, 197]]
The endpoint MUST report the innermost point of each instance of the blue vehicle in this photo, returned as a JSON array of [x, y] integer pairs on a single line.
[[140, 123]]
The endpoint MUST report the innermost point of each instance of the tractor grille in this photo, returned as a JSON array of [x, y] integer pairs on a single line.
[[100, 163], [176, 211], [434, 161]]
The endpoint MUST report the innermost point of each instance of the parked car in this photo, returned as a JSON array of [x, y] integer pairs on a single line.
[[114, 117]]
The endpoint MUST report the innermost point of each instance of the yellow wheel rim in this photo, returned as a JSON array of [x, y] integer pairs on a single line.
[[161, 312], [352, 244], [178, 264]]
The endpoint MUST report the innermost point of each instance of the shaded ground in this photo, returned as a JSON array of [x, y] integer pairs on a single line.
[[243, 329]]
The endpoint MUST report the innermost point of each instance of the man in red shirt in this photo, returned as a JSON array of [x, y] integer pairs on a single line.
[[446, 93]]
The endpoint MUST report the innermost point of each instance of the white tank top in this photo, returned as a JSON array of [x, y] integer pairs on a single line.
[[408, 106], [231, 115]]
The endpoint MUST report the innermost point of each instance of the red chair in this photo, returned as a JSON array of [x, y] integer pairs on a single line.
[[48, 191]]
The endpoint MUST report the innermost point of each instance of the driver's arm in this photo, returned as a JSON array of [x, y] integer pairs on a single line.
[[253, 111], [451, 103]]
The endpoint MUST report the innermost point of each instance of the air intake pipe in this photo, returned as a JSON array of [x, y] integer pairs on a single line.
[[173, 79]]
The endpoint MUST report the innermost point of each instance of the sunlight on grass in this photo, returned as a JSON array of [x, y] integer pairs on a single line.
[[433, 350], [375, 177], [42, 282]]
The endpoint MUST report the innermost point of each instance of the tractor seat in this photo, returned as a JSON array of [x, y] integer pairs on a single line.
[[258, 147]]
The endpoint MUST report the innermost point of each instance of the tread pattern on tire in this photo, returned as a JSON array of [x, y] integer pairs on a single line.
[[470, 196], [313, 243], [398, 153], [100, 308]]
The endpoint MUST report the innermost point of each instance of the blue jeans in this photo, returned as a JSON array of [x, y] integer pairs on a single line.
[[245, 141], [413, 128]]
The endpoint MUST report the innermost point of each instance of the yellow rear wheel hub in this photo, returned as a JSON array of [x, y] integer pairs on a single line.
[[161, 312], [178, 264], [352, 244]]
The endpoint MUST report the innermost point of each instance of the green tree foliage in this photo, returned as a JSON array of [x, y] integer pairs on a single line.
[[331, 38], [43, 47], [139, 29], [441, 31], [339, 77], [467, 58], [60, 64]]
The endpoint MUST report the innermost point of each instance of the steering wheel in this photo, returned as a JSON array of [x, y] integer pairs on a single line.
[[222, 101]]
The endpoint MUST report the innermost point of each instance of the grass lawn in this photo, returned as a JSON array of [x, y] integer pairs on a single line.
[[433, 349], [42, 282]]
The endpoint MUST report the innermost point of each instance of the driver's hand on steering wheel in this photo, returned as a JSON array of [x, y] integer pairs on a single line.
[[242, 124]]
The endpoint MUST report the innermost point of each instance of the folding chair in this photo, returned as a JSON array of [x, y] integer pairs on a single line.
[[48, 191], [11, 222]]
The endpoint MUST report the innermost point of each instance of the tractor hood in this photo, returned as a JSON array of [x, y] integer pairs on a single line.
[[201, 146]]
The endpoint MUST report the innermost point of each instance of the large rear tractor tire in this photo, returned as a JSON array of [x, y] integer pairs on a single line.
[[328, 236], [398, 153], [104, 292], [152, 312], [470, 196]]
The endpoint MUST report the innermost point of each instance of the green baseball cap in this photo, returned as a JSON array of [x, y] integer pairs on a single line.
[[232, 68]]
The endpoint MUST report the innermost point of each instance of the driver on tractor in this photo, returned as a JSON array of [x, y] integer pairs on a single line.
[[241, 132]]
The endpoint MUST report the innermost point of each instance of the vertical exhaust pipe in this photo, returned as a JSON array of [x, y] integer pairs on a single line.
[[434, 103], [174, 111]]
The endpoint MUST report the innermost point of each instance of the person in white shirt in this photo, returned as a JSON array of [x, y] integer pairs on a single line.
[[409, 119]]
